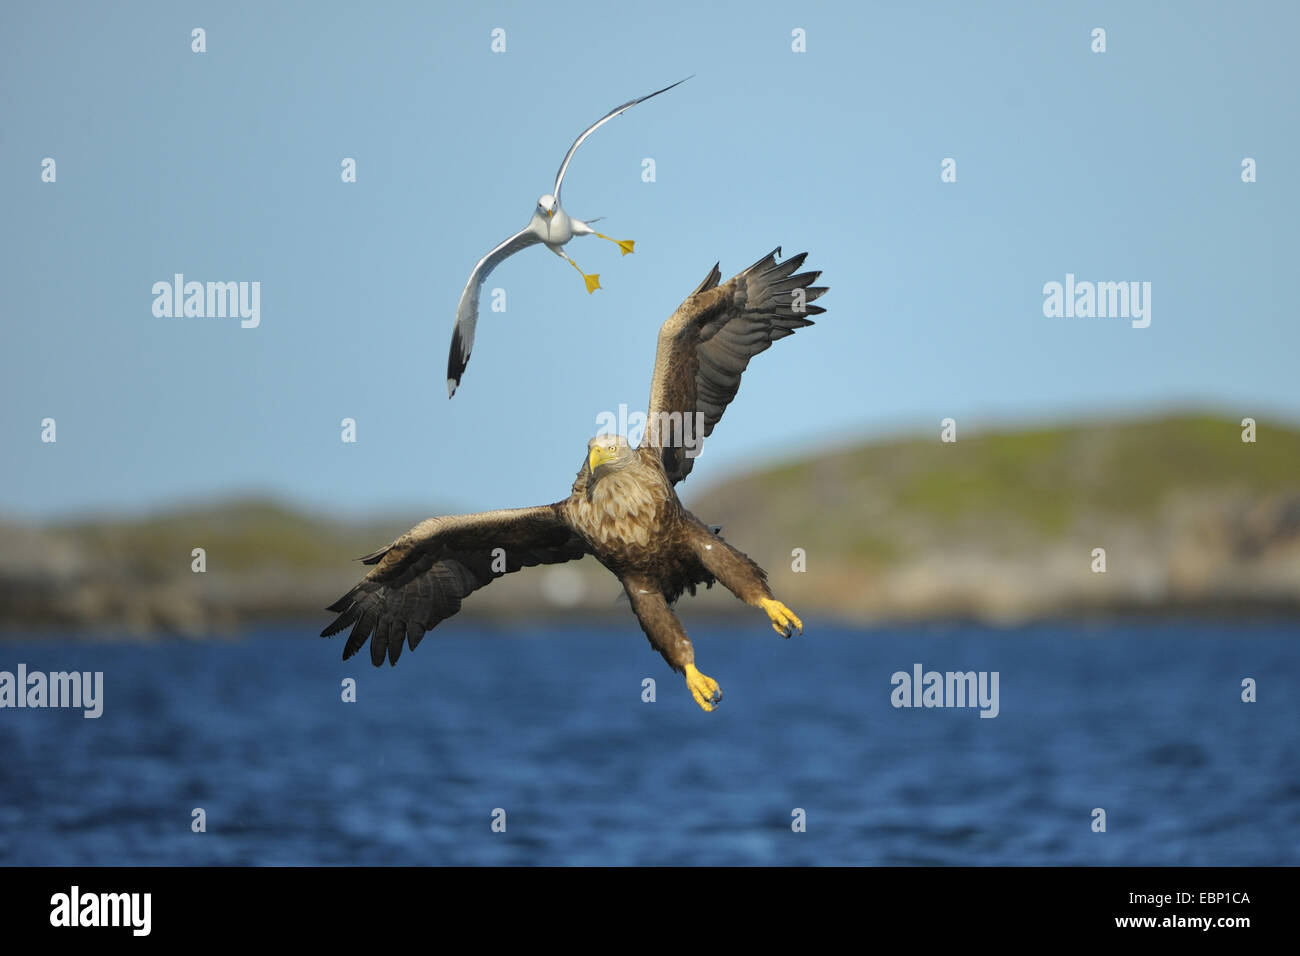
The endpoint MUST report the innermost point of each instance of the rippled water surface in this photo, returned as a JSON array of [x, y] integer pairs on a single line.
[[1142, 720]]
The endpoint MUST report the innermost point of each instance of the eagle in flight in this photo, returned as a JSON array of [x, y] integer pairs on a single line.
[[623, 509]]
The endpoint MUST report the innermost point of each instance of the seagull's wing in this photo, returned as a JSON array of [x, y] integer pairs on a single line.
[[462, 336], [706, 345], [422, 577], [559, 177]]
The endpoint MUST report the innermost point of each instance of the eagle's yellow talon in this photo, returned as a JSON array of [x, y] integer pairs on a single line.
[[703, 688], [784, 621]]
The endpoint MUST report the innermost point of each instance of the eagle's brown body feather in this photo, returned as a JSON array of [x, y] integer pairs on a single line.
[[634, 524]]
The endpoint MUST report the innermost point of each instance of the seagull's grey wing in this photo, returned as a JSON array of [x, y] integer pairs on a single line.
[[559, 177], [462, 336]]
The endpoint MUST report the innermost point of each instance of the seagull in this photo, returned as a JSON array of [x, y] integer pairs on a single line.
[[550, 225]]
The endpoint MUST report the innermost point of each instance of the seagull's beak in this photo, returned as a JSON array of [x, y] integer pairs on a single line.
[[550, 213]]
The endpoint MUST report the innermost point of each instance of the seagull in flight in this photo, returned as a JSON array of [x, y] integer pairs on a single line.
[[550, 225]]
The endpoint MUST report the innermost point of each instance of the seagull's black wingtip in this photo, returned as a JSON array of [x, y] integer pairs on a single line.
[[664, 90], [457, 359]]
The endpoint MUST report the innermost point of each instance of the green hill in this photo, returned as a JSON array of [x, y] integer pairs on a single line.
[[1002, 526], [1004, 523]]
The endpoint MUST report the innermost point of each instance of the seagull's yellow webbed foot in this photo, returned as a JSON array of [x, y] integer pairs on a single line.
[[592, 280], [624, 245], [784, 621], [703, 688]]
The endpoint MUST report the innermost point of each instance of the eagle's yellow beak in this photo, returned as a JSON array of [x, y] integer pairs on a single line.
[[599, 455]]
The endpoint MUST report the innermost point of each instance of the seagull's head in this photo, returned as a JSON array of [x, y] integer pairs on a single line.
[[547, 205]]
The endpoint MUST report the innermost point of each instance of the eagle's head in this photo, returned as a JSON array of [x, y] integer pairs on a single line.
[[608, 453]]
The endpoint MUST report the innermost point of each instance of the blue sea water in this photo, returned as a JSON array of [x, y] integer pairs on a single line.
[[1143, 720]]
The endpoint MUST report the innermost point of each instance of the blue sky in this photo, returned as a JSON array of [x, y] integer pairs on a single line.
[[225, 166]]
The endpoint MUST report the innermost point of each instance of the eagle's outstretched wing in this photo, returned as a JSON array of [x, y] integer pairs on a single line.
[[462, 334], [706, 346], [422, 577]]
